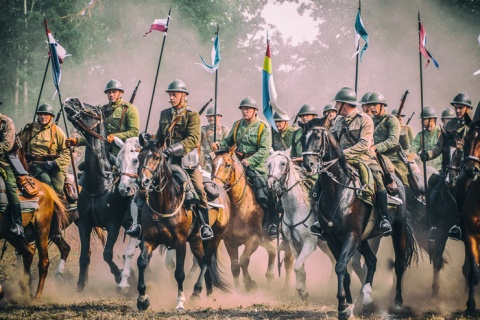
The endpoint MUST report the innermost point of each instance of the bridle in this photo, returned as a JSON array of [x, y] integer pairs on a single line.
[[226, 185], [471, 158], [82, 112], [280, 185]]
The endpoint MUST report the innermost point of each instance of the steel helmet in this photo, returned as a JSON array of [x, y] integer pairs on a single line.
[[248, 102], [428, 112], [280, 117], [329, 107], [448, 113], [463, 99], [211, 112], [365, 98], [395, 113], [307, 109], [113, 85], [46, 108], [177, 85], [346, 95], [376, 97]]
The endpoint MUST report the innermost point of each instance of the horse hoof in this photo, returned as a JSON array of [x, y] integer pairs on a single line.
[[303, 295], [195, 297], [251, 286], [345, 314], [2, 293], [80, 287], [369, 308], [123, 290], [143, 303]]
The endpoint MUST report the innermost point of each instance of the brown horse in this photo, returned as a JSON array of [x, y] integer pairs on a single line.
[[165, 220], [245, 227], [46, 222]]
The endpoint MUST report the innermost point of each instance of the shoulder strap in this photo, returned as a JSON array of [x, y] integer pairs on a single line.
[[235, 130], [53, 132], [259, 134], [122, 118]]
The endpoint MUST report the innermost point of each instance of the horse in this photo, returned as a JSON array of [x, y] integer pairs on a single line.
[[45, 219], [166, 220], [100, 203], [348, 221], [245, 227]]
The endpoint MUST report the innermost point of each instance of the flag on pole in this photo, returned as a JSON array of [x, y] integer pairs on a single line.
[[269, 92], [215, 57], [423, 49], [57, 53], [159, 25], [360, 32]]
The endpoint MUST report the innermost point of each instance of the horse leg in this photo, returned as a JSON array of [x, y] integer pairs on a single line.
[[124, 286], [143, 301], [466, 271], [201, 256], [64, 249], [288, 260], [250, 247], [308, 246], [43, 261], [232, 251], [84, 230], [399, 240], [180, 251], [27, 252], [472, 250], [112, 231], [170, 261], [437, 260], [371, 263], [272, 254]]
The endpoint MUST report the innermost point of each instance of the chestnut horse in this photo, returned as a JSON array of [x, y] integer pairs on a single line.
[[46, 222], [245, 227], [165, 220], [348, 221]]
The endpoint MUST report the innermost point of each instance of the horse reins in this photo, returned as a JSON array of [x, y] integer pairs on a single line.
[[228, 188]]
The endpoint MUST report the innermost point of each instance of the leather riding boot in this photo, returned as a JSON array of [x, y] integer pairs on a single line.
[[206, 231], [455, 233], [382, 205], [16, 212], [316, 230], [135, 229]]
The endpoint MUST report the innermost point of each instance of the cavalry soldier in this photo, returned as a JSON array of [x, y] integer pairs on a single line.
[[252, 139], [463, 105], [45, 149], [306, 113], [363, 104], [330, 113], [121, 117], [282, 139], [354, 133], [7, 141], [179, 132], [406, 132], [207, 134], [430, 136], [447, 115]]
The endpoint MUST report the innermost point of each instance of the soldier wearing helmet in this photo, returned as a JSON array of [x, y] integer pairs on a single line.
[[447, 115], [121, 118], [406, 132], [330, 113], [207, 134], [282, 138], [252, 139], [306, 113], [430, 136], [45, 149], [363, 104]]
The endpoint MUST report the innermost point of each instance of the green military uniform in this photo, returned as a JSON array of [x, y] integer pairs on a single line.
[[456, 124], [207, 138], [297, 149], [406, 136], [42, 144], [7, 140], [121, 127], [431, 139], [283, 140]]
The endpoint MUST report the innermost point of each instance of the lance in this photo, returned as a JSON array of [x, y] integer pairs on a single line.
[[41, 88], [158, 69], [215, 103], [358, 48]]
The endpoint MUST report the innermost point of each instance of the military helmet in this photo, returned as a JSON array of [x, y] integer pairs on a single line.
[[113, 85], [346, 95], [376, 97], [280, 117], [177, 85], [329, 107], [463, 99], [428, 112], [211, 112], [307, 109], [46, 108], [395, 113], [365, 98], [448, 113], [248, 102]]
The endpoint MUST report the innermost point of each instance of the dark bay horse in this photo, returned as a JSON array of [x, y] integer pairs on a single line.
[[165, 220], [100, 203], [349, 222], [46, 222], [245, 227]]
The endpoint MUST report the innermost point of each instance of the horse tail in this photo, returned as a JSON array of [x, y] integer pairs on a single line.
[[411, 245], [61, 214], [216, 274], [101, 235]]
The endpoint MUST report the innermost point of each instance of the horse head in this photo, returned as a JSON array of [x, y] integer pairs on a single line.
[[224, 166], [451, 156], [127, 161], [278, 164], [472, 151], [150, 162], [85, 118]]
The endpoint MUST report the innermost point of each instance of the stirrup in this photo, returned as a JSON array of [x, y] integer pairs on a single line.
[[134, 231], [272, 230], [317, 231], [385, 227], [17, 230], [206, 232], [455, 233]]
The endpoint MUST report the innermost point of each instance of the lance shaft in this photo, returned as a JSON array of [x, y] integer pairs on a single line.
[[215, 104], [41, 88], [356, 60]]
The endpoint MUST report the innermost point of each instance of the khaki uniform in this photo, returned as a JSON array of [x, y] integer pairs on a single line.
[[46, 143], [125, 128], [454, 124], [431, 139], [296, 145], [7, 140], [207, 138], [406, 136], [283, 140]]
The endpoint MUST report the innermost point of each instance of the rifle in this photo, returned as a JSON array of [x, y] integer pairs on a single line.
[[409, 119], [402, 103], [204, 106], [132, 98]]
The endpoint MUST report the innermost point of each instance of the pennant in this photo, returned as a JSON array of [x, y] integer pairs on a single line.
[[360, 32], [269, 92], [57, 53], [159, 25], [423, 49], [215, 55]]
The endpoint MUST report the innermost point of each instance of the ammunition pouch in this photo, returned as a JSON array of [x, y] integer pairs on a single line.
[[211, 189], [3, 196], [191, 160], [181, 177], [49, 157], [27, 186], [70, 190], [242, 155]]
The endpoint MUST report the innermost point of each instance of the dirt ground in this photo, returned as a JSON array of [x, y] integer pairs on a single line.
[[100, 299]]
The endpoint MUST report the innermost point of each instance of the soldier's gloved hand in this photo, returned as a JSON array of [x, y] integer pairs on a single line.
[[424, 155], [168, 152], [71, 142], [110, 138], [49, 165]]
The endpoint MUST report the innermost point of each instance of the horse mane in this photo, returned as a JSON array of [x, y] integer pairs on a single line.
[[127, 147]]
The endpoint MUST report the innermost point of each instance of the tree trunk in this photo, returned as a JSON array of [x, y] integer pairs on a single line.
[[17, 89]]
